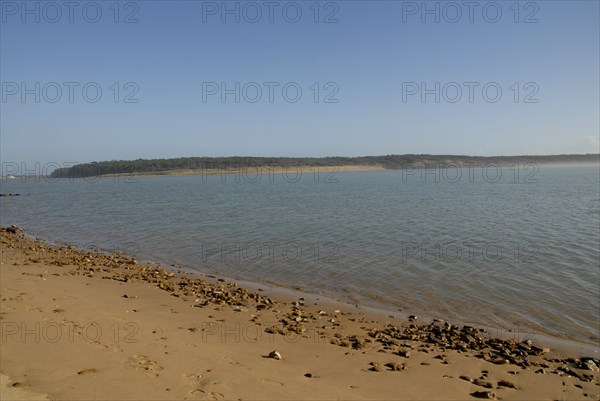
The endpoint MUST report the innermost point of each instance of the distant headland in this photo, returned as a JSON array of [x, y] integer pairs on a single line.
[[200, 165]]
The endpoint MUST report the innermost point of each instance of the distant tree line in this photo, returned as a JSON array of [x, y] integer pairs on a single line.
[[163, 166]]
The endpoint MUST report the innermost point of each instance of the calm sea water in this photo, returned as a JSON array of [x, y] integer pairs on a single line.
[[519, 252]]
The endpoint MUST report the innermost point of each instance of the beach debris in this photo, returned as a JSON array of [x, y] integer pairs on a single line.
[[275, 355], [412, 317], [310, 376], [17, 384], [486, 395]]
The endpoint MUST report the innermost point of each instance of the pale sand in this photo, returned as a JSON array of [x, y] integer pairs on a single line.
[[254, 172], [15, 391], [70, 334]]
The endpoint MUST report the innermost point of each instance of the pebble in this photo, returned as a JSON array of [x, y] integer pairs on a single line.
[[505, 383], [590, 365], [404, 353], [396, 367], [479, 382], [375, 367], [275, 355], [486, 395]]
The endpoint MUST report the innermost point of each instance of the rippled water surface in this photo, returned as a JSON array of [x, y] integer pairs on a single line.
[[514, 252]]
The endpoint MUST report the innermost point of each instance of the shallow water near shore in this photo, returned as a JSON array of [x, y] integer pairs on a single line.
[[511, 248]]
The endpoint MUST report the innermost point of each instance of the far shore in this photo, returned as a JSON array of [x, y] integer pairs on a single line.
[[252, 171], [292, 173], [81, 325]]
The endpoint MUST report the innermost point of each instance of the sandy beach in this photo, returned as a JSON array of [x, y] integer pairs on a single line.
[[79, 325], [251, 172]]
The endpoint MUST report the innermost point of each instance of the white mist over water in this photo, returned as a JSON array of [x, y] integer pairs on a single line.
[[514, 251]]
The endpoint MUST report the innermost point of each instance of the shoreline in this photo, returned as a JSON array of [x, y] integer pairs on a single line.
[[376, 309], [564, 345], [231, 331], [328, 171]]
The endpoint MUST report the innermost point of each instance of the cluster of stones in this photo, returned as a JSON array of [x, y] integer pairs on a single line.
[[494, 350], [118, 267], [294, 320], [353, 341]]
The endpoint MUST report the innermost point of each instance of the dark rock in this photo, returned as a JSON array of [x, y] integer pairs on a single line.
[[481, 383], [396, 367], [486, 395], [404, 353], [375, 367], [505, 383]]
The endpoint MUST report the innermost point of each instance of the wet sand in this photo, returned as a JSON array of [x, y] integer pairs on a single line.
[[87, 325]]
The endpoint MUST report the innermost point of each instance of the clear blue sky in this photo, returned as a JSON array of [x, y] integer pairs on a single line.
[[371, 55]]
